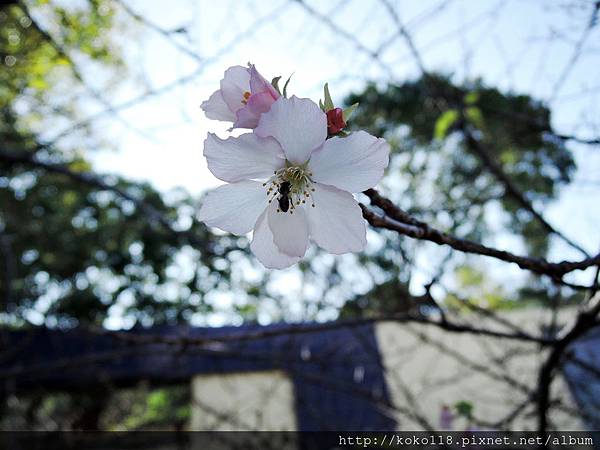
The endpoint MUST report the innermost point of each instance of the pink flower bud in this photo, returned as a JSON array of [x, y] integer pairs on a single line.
[[335, 121]]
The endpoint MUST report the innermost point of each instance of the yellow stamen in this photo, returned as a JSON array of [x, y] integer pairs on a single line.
[[245, 97]]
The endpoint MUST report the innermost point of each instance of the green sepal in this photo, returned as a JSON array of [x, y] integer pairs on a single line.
[[286, 85], [347, 113], [327, 102], [275, 84]]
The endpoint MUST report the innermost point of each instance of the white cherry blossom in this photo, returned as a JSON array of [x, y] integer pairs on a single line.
[[289, 184]]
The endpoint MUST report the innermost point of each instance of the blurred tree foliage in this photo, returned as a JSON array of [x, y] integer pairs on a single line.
[[71, 251], [421, 118], [34, 59], [142, 407], [75, 253], [435, 175]]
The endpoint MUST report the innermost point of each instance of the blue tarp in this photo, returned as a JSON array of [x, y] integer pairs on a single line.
[[336, 373], [582, 373]]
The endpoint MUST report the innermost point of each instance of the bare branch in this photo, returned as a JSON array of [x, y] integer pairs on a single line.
[[511, 189], [580, 140], [403, 223], [94, 180], [576, 52], [167, 34], [60, 50], [406, 35], [294, 329], [167, 87], [346, 35], [585, 321]]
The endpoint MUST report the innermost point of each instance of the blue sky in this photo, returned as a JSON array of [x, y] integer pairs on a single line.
[[520, 45]]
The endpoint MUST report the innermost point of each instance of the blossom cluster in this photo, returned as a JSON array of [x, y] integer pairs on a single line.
[[291, 179]]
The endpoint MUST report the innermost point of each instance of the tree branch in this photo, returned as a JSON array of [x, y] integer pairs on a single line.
[[166, 33], [63, 52], [405, 224], [580, 140], [510, 188], [32, 160], [295, 329], [584, 322]]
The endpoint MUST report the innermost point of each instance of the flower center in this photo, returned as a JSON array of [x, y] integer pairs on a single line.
[[291, 186], [245, 97]]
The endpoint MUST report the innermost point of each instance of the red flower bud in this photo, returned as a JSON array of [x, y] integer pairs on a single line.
[[335, 121]]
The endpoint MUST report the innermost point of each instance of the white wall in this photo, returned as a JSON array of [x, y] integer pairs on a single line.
[[243, 401], [427, 367]]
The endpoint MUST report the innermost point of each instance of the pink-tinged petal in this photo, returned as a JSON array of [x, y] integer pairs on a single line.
[[234, 207], [352, 163], [336, 223], [215, 108], [298, 124], [245, 157], [233, 86], [290, 230], [248, 116], [259, 84], [265, 249]]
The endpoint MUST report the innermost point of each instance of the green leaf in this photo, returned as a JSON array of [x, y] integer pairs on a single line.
[[347, 113], [62, 61], [286, 85], [471, 98], [473, 115], [321, 105], [444, 122], [327, 102], [464, 408], [509, 157], [38, 83], [275, 84], [80, 165], [69, 198]]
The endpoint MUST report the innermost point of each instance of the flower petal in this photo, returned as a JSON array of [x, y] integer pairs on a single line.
[[242, 158], [259, 84], [234, 207], [336, 223], [248, 116], [353, 163], [298, 124], [235, 82], [215, 108], [265, 249], [290, 230]]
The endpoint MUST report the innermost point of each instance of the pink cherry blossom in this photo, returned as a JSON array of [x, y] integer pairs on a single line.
[[243, 97], [289, 147]]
